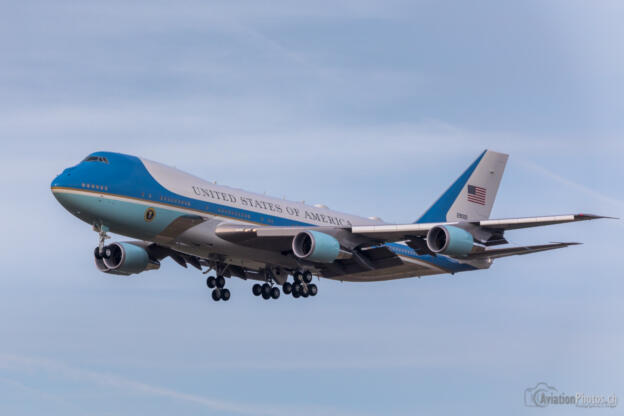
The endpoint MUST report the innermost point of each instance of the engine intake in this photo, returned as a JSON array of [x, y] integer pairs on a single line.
[[453, 241], [124, 259], [316, 246]]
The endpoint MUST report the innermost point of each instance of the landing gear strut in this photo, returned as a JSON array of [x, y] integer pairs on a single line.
[[101, 230]]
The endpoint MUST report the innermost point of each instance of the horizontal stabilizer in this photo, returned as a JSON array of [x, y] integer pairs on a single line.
[[515, 251], [516, 223]]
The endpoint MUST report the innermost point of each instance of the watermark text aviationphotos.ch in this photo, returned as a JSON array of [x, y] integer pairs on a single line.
[[543, 395]]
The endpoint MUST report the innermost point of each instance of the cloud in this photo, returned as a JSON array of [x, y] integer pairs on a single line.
[[574, 185]]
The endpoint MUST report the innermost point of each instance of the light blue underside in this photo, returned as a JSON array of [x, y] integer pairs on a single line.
[[121, 217]]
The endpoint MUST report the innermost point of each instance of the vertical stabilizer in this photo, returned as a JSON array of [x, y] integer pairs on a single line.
[[472, 195]]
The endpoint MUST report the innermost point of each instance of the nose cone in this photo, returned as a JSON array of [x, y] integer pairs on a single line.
[[56, 182], [62, 181], [65, 179]]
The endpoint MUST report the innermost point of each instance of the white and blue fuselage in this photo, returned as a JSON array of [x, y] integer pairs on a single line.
[[155, 203]]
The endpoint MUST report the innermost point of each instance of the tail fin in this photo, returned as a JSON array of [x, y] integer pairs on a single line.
[[472, 195]]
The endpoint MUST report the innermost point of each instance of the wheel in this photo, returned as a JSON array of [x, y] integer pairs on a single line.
[[225, 294], [296, 290], [275, 292], [266, 291], [313, 289], [96, 253], [216, 294], [257, 289], [211, 282], [305, 291], [287, 288], [220, 282], [305, 295], [307, 276], [298, 277]]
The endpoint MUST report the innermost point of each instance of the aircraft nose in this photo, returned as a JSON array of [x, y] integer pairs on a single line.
[[62, 179], [55, 182]]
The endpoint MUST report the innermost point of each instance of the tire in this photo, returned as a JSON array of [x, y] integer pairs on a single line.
[[225, 294], [295, 295], [305, 291], [96, 253], [298, 277], [287, 288], [220, 282], [296, 290], [211, 282], [257, 289], [307, 276], [216, 295], [275, 292], [266, 291], [313, 289]]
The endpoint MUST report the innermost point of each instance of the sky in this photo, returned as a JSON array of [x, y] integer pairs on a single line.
[[370, 107]]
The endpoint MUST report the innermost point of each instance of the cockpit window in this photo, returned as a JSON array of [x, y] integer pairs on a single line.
[[96, 159]]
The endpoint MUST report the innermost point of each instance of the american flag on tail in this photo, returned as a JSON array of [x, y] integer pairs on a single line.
[[476, 194]]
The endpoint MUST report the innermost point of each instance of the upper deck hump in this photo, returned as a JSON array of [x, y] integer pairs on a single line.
[[191, 186]]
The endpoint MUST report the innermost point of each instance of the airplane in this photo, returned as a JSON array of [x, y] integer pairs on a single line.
[[255, 237]]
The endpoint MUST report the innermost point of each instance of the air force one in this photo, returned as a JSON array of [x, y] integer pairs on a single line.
[[251, 236]]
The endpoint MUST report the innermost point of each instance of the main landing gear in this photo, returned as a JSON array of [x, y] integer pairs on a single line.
[[217, 284], [302, 287], [266, 291]]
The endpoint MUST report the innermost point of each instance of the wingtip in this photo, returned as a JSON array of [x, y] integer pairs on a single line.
[[593, 217], [564, 243]]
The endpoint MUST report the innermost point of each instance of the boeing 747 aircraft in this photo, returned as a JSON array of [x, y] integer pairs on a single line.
[[251, 236]]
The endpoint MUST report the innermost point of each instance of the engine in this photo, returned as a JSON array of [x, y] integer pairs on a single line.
[[316, 246], [124, 259], [449, 240]]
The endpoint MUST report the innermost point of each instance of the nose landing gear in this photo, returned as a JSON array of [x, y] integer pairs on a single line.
[[101, 230]]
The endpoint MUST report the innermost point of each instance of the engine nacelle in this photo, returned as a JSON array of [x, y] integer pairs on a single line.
[[449, 240], [316, 246], [124, 259]]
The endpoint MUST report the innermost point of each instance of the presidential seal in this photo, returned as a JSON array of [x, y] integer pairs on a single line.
[[149, 214]]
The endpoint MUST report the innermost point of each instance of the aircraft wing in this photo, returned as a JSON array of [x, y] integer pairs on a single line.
[[488, 231], [401, 232]]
